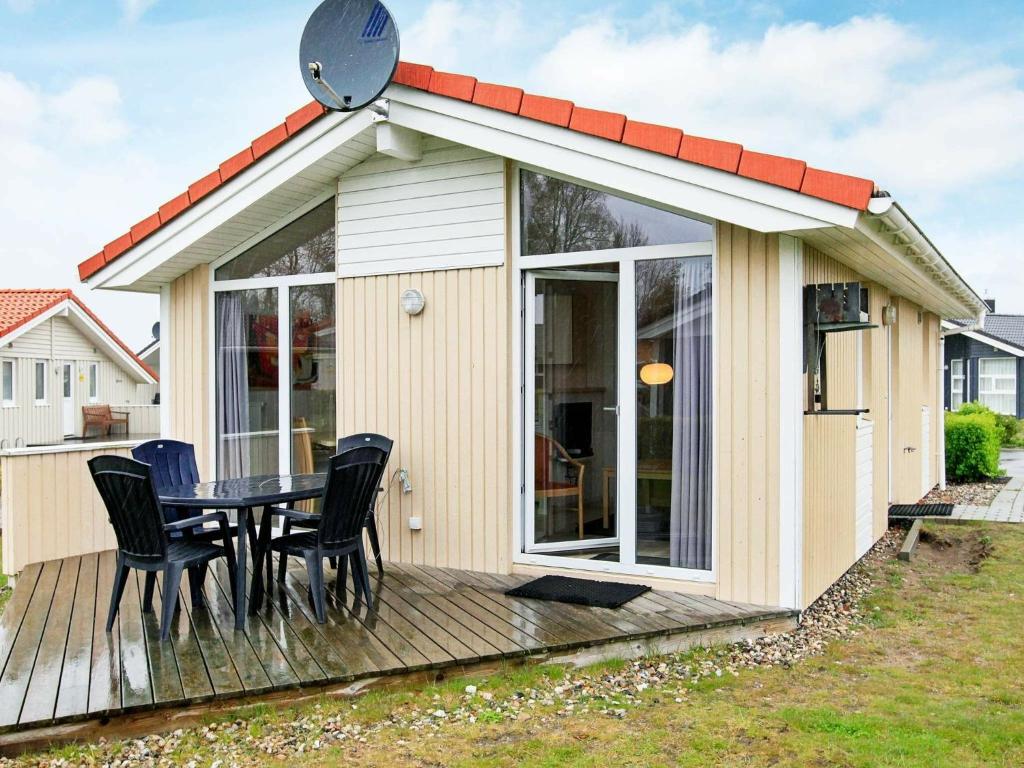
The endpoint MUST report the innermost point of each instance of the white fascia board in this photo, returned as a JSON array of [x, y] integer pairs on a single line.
[[994, 342], [617, 167], [233, 197], [89, 328]]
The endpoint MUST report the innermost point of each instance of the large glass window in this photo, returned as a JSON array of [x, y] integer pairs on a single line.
[[7, 382], [673, 394], [956, 384], [303, 247], [562, 217], [997, 384], [313, 379]]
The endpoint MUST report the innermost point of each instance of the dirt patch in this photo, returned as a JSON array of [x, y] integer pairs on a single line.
[[954, 550]]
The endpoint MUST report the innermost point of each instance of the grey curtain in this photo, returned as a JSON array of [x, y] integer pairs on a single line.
[[690, 528], [232, 388]]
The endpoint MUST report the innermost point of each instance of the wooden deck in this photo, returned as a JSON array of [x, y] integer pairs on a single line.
[[59, 666]]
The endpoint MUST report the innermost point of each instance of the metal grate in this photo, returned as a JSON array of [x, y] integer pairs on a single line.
[[920, 510]]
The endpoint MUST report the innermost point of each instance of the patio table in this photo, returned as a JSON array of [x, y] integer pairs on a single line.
[[244, 495]]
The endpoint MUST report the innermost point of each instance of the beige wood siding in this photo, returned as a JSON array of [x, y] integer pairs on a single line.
[[438, 383], [747, 405], [189, 395], [830, 490], [50, 506]]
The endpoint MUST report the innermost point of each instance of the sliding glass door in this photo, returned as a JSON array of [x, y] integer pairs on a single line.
[[617, 383]]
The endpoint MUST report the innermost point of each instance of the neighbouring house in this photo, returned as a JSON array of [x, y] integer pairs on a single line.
[[589, 336], [150, 354], [985, 362], [57, 356]]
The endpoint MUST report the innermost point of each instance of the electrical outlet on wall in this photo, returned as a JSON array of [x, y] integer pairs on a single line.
[[403, 478]]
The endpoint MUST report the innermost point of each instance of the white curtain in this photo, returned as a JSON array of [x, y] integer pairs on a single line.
[[232, 388], [690, 525]]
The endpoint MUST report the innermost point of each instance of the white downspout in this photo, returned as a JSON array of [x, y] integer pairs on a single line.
[[941, 437]]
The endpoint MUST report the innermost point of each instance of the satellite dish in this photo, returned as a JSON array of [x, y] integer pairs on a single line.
[[348, 53], [156, 330]]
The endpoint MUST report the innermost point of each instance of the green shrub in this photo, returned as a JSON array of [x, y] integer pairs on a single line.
[[1011, 429], [972, 445]]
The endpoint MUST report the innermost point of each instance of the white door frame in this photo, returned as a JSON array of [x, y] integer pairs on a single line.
[[530, 415], [67, 392]]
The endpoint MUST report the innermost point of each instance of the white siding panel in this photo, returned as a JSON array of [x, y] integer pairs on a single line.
[[444, 211]]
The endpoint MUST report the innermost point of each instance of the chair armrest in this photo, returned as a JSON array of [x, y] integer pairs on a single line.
[[294, 514], [123, 413], [191, 522]]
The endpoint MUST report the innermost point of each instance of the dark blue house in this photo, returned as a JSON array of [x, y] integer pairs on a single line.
[[986, 365]]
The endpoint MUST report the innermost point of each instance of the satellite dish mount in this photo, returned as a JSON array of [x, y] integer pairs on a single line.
[[349, 53]]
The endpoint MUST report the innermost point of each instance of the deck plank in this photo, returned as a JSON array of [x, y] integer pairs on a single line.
[[214, 657], [271, 659], [105, 669], [18, 672], [136, 683], [192, 673], [73, 696], [41, 696], [245, 661], [358, 646], [14, 613]]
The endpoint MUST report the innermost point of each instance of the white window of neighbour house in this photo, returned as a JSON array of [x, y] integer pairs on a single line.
[[956, 384], [41, 369], [94, 382], [7, 382], [997, 384]]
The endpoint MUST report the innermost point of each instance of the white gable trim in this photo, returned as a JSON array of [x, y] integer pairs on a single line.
[[88, 327], [994, 342]]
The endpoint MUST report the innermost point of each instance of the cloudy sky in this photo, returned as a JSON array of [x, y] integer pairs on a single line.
[[108, 109]]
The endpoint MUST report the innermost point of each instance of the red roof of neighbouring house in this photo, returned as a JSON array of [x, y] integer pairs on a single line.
[[20, 306], [850, 191]]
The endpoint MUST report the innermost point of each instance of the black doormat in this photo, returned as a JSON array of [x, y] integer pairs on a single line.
[[920, 510], [563, 589]]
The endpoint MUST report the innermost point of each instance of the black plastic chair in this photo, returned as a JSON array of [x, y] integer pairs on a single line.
[[353, 478], [361, 440], [144, 538]]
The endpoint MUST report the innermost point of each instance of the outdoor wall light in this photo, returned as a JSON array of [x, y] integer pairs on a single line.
[[656, 373], [413, 301]]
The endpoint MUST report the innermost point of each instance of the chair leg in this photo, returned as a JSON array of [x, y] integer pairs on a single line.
[[147, 594], [315, 569], [333, 562], [120, 579], [579, 508], [371, 529], [196, 579], [229, 555], [282, 558], [364, 575], [342, 578], [172, 582]]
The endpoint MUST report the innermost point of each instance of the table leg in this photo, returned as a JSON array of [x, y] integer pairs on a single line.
[[241, 593], [262, 551]]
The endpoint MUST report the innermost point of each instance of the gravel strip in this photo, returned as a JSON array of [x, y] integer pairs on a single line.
[[835, 615], [973, 494]]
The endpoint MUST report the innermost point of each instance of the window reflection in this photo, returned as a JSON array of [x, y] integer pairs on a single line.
[[561, 217]]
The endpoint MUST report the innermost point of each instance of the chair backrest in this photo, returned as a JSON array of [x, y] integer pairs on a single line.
[[126, 487], [545, 450], [172, 462], [97, 411], [367, 440], [352, 480]]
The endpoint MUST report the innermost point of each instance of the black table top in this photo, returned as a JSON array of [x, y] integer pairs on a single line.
[[243, 492]]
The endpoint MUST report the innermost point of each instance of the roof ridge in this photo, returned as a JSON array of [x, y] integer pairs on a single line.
[[787, 172]]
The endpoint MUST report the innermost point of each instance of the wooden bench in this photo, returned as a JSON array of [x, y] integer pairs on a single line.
[[102, 417]]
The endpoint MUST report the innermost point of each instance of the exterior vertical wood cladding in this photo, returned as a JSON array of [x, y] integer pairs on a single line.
[[189, 388], [50, 505], [859, 362], [747, 415], [438, 383]]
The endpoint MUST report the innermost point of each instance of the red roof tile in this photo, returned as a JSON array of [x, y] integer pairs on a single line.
[[606, 125], [781, 171], [20, 306], [145, 228], [725, 156]]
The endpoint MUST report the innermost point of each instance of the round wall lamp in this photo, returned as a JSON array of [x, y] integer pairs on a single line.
[[413, 301], [656, 373]]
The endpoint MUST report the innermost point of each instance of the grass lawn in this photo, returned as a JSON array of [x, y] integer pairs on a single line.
[[934, 680]]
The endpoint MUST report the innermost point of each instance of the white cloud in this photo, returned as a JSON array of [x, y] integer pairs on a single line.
[[450, 31], [21, 6], [89, 111], [133, 10]]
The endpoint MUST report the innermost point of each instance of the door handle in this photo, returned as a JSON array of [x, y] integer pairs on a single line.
[[612, 408]]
